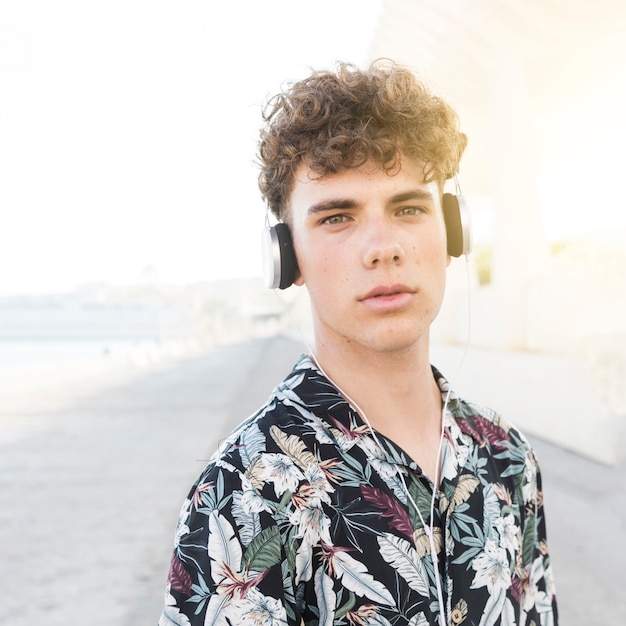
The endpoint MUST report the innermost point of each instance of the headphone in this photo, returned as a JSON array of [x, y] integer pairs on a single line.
[[279, 258]]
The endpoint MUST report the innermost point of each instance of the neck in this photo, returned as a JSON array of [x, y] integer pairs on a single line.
[[396, 392], [395, 375]]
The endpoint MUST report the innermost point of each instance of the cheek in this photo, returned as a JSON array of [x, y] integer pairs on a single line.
[[327, 276], [315, 259]]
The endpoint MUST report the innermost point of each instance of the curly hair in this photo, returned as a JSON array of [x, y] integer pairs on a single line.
[[340, 120]]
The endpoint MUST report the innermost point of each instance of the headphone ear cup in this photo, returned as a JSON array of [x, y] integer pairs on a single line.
[[456, 217], [279, 258]]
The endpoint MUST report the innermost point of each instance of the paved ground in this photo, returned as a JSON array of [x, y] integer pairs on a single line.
[[90, 491]]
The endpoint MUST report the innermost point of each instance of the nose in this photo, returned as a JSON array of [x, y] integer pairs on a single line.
[[382, 246]]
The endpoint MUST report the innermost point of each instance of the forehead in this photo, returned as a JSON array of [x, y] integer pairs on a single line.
[[357, 185]]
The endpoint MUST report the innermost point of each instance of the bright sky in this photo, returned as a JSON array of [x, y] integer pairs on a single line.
[[128, 131]]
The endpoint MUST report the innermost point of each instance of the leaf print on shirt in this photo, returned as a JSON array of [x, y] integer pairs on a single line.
[[491, 512], [419, 620], [388, 507], [223, 547], [293, 447], [465, 487], [326, 598], [531, 474], [264, 551], [216, 611], [236, 575], [389, 473], [347, 437], [247, 520], [304, 563], [403, 557], [422, 541], [178, 577], [533, 596], [354, 575], [254, 473], [366, 615], [252, 444], [485, 430], [200, 495]]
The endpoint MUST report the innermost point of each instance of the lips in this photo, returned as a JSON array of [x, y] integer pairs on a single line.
[[386, 291], [388, 298]]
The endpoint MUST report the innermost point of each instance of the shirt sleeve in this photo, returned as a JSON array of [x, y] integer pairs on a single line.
[[228, 563], [538, 598]]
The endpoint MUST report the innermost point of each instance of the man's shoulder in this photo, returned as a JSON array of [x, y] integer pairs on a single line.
[[486, 425], [480, 422], [295, 408]]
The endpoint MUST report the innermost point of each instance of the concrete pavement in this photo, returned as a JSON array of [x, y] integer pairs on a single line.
[[90, 492]]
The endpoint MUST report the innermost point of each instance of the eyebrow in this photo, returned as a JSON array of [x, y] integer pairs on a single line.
[[413, 194], [346, 203], [330, 205]]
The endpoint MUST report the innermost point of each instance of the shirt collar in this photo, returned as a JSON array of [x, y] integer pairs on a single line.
[[321, 395]]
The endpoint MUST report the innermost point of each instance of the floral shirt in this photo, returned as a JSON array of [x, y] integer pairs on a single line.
[[302, 517]]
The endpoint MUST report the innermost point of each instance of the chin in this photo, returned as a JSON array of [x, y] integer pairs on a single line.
[[397, 339]]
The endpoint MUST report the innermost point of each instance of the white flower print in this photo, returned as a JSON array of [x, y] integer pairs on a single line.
[[321, 432], [529, 490], [508, 533], [453, 459], [260, 610], [312, 524], [492, 568], [386, 470], [370, 447], [282, 471], [318, 481], [251, 500]]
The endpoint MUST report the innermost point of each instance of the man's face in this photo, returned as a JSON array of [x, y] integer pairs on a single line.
[[371, 250]]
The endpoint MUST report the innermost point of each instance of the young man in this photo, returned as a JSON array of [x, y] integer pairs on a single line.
[[364, 491]]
